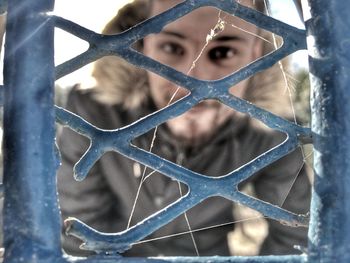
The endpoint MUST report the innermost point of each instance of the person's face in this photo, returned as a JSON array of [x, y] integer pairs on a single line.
[[179, 45]]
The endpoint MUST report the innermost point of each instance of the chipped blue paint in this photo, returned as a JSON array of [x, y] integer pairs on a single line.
[[32, 224], [120, 140], [215, 259], [329, 38], [31, 214], [3, 6]]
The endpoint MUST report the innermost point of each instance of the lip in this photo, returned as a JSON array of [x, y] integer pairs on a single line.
[[200, 108]]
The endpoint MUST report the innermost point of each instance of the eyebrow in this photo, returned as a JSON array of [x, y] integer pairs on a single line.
[[219, 38], [171, 33], [228, 38]]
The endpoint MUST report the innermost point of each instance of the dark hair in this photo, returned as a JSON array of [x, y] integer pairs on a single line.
[[259, 5], [139, 10], [127, 17]]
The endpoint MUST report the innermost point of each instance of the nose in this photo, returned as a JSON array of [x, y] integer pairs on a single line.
[[201, 68]]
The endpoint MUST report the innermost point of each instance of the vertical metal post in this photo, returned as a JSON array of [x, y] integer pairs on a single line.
[[31, 215], [329, 46]]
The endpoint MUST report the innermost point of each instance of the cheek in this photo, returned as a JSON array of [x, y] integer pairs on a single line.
[[155, 89], [148, 46], [239, 89], [161, 90]]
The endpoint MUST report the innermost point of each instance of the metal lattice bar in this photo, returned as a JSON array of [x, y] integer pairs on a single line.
[[32, 223], [119, 140], [258, 259]]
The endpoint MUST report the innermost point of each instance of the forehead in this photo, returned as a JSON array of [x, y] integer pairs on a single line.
[[198, 24], [169, 3]]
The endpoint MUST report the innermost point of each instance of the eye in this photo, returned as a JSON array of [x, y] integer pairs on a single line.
[[221, 52], [172, 49]]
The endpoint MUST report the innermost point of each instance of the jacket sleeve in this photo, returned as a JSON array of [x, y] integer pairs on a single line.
[[286, 184], [90, 200]]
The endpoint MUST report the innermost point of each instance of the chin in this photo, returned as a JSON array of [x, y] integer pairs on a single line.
[[191, 133]]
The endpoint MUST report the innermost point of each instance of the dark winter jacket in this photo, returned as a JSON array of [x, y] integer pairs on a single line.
[[105, 198]]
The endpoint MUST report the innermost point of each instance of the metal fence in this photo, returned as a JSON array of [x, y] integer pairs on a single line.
[[31, 213]]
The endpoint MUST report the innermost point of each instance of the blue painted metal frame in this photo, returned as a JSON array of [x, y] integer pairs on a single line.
[[31, 214], [329, 45], [32, 224]]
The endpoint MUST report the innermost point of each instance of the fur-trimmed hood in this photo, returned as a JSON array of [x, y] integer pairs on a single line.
[[118, 82]]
